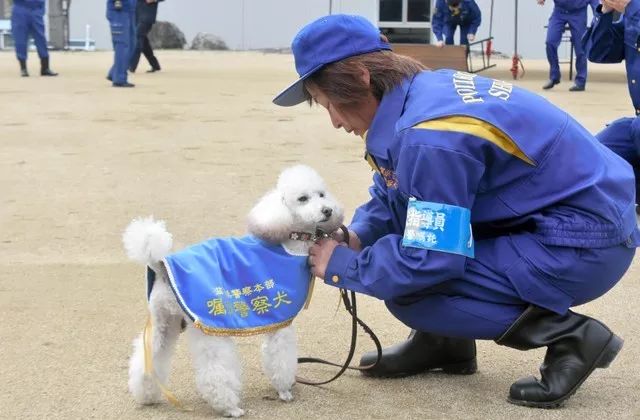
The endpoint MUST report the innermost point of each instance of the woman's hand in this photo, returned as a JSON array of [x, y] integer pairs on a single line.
[[354, 241], [617, 5], [319, 256]]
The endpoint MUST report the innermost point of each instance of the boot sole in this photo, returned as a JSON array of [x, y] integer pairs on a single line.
[[607, 355], [468, 367]]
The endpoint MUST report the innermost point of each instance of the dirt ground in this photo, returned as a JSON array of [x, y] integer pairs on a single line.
[[196, 145]]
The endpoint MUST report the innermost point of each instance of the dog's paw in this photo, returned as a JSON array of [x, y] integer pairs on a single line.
[[148, 399], [145, 391], [285, 396], [234, 412]]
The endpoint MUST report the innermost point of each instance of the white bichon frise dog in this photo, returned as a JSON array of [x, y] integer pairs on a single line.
[[228, 287]]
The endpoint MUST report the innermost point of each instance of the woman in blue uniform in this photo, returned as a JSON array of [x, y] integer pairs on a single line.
[[121, 15], [27, 18], [484, 221]]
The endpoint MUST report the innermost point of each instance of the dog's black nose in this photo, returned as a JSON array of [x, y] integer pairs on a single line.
[[327, 212]]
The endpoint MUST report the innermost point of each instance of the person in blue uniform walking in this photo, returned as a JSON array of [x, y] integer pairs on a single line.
[[483, 223], [451, 14], [146, 13], [121, 15], [27, 18], [612, 42], [574, 14]]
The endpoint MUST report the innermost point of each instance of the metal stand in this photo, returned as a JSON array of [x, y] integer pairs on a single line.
[[486, 55]]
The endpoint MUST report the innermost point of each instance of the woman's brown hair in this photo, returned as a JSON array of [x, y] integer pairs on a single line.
[[342, 83]]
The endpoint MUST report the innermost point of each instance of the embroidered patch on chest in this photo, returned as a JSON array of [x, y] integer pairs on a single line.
[[390, 178]]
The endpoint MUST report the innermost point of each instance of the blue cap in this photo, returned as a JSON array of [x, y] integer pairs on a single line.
[[326, 40]]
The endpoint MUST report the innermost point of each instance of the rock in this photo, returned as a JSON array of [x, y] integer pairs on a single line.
[[166, 35], [204, 41]]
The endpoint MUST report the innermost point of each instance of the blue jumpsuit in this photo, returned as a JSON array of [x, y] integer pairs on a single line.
[[552, 209], [123, 37], [574, 14], [622, 136], [27, 18], [612, 42], [446, 19]]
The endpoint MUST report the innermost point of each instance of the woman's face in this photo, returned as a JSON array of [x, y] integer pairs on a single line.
[[356, 120]]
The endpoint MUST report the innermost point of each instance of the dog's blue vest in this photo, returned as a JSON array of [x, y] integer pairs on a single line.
[[238, 286]]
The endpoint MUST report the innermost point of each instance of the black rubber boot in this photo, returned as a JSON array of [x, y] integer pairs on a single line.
[[421, 352], [44, 68], [23, 68], [550, 84], [576, 345]]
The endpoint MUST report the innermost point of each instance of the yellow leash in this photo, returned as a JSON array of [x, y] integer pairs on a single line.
[[312, 285], [148, 366]]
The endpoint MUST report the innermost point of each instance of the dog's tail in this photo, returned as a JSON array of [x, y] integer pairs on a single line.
[[147, 241]]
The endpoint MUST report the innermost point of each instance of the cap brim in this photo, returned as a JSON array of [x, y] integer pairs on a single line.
[[295, 94]]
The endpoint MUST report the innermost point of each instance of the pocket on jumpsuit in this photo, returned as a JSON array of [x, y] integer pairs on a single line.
[[535, 286], [117, 30]]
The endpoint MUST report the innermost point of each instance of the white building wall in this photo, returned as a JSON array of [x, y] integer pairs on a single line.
[[92, 13], [257, 24]]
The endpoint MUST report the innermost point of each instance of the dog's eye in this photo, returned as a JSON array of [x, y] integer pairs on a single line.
[[303, 198], [321, 195]]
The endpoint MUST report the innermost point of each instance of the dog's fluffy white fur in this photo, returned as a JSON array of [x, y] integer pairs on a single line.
[[299, 203]]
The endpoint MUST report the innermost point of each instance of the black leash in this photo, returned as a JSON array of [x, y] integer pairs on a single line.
[[350, 306]]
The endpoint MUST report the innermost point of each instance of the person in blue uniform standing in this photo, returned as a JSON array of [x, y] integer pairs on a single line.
[[27, 18], [483, 222], [574, 14], [612, 42], [146, 13], [450, 14], [121, 15]]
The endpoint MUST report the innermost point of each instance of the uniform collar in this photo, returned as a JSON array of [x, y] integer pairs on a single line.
[[382, 131]]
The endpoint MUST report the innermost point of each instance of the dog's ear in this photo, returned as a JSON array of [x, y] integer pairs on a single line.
[[270, 219]]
